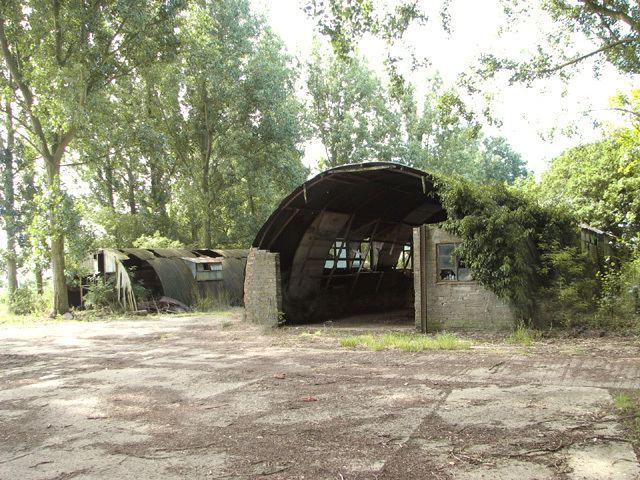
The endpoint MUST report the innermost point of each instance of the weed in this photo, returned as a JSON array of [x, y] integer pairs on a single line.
[[227, 324], [210, 302], [628, 406], [623, 401], [523, 335], [407, 342]]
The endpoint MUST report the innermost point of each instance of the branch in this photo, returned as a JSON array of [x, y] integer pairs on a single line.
[[622, 16], [16, 72], [590, 54]]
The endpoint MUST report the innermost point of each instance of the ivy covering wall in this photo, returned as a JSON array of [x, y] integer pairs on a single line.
[[524, 252]]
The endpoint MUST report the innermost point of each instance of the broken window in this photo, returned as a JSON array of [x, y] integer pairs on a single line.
[[337, 255], [208, 271], [406, 258], [344, 255], [449, 266]]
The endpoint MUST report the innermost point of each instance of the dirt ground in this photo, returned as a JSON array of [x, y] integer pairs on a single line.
[[212, 397]]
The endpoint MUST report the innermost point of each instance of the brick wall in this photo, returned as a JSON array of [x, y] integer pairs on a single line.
[[262, 288], [453, 305]]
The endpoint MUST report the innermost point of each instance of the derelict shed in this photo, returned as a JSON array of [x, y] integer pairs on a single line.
[[181, 274], [343, 241]]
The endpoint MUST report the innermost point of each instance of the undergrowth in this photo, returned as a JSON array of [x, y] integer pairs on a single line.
[[407, 342], [523, 335], [627, 405]]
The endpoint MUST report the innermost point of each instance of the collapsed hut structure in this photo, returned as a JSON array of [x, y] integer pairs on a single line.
[[180, 275], [362, 240]]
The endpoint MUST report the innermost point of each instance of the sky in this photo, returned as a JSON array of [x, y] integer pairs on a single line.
[[536, 120]]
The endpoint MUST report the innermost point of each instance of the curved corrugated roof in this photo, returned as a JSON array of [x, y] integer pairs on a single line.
[[384, 191], [176, 278], [374, 202]]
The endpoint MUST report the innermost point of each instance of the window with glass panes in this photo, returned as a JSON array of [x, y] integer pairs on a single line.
[[450, 267]]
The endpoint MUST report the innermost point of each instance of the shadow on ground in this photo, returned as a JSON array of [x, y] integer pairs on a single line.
[[212, 398]]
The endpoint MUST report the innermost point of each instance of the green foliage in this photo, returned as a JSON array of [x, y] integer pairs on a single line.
[[345, 21], [600, 182], [523, 335], [628, 405], [407, 342], [350, 111], [620, 300], [102, 294], [27, 301], [156, 241], [511, 242], [595, 31], [573, 290]]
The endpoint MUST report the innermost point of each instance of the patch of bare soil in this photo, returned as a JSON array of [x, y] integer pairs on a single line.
[[213, 398]]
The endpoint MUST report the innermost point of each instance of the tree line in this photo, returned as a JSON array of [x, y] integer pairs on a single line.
[[184, 122]]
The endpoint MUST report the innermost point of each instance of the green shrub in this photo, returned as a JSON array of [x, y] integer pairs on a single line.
[[522, 251], [618, 303], [523, 335], [27, 301], [23, 301], [102, 294]]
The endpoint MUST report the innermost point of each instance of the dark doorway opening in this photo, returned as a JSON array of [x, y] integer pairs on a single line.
[[344, 240]]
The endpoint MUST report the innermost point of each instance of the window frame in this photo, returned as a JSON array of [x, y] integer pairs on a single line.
[[209, 272], [457, 261]]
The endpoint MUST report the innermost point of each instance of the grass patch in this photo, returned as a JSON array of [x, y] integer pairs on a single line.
[[627, 405], [523, 335], [407, 342]]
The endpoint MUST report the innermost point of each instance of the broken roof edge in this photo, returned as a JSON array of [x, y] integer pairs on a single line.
[[145, 254], [203, 259]]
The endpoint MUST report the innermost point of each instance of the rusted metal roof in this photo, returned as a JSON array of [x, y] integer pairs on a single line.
[[377, 191]]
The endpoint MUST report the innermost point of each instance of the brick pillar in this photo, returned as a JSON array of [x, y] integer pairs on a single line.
[[262, 288]]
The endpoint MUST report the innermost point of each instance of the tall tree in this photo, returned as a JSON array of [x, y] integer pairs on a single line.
[[444, 136], [350, 111], [600, 182], [230, 118], [8, 208], [62, 57], [611, 29]]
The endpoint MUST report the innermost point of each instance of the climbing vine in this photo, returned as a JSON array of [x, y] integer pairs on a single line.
[[522, 251]]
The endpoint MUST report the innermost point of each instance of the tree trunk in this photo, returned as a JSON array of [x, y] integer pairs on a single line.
[[39, 282], [207, 232], [131, 194], [60, 296], [206, 195], [108, 175], [9, 212]]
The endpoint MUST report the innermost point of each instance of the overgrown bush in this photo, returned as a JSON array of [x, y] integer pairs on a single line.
[[102, 294], [517, 248], [571, 295], [27, 301], [620, 299]]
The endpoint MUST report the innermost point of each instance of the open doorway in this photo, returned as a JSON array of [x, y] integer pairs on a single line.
[[344, 246]]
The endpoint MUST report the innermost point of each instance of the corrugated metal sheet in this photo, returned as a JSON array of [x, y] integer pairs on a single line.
[[140, 253], [176, 278]]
